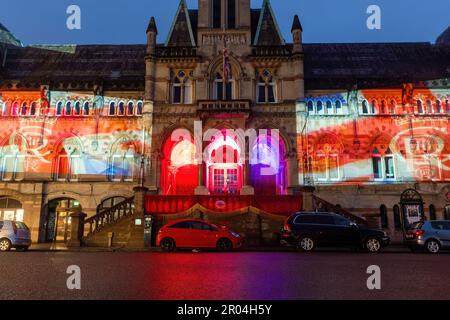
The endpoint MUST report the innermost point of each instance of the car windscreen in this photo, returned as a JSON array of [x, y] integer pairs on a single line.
[[417, 225], [21, 225]]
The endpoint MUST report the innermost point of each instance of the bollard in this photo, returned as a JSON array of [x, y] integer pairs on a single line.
[[110, 237]]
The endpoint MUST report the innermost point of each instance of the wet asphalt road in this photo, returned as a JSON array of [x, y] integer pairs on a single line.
[[224, 276]]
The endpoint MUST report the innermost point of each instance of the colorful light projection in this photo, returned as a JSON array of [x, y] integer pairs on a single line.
[[380, 141], [44, 144]]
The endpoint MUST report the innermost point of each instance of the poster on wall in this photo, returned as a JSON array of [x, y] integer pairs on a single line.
[[412, 214]]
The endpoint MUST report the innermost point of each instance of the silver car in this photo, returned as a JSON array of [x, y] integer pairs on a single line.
[[14, 234], [429, 235]]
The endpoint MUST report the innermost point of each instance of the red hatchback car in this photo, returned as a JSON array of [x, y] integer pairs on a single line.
[[192, 233]]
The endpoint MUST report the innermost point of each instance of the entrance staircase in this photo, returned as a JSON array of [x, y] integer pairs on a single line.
[[116, 220], [325, 206]]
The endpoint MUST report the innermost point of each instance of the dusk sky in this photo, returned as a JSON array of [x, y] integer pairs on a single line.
[[123, 22]]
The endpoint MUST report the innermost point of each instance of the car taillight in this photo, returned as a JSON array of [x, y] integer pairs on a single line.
[[416, 233], [287, 227]]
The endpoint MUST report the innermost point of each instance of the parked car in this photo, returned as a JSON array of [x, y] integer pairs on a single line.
[[193, 233], [14, 234], [308, 230], [429, 235]]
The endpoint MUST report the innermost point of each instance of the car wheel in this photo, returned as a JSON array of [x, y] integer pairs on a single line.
[[5, 244], [432, 246], [168, 245], [306, 243], [373, 245], [224, 245]]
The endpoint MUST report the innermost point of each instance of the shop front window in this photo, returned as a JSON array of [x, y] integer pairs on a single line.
[[11, 209]]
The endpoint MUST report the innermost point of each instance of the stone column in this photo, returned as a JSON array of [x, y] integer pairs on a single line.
[[76, 228], [307, 197], [137, 222], [201, 189]]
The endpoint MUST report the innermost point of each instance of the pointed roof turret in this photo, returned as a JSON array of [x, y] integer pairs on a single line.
[[181, 34], [268, 32], [152, 26], [296, 25]]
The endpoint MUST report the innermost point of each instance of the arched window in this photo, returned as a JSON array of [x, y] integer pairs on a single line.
[[122, 164], [12, 159], [383, 107], [383, 217], [216, 14], [429, 106], [373, 106], [219, 92], [397, 219], [11, 209], [377, 164], [419, 106], [338, 105], [329, 107], [392, 107], [383, 165], [438, 106], [266, 87], [68, 162], [112, 108], [33, 109], [447, 106], [365, 107], [139, 109], [24, 109], [432, 212], [319, 106], [231, 14], [77, 108], [326, 162], [15, 108], [130, 108], [121, 108], [182, 88], [86, 108], [310, 106], [59, 108], [68, 109]]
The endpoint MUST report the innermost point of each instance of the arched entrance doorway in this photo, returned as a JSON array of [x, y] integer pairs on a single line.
[[179, 169], [11, 209], [412, 208], [58, 219], [224, 165]]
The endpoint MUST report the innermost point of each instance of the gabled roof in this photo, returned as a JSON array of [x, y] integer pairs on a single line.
[[181, 33], [268, 32], [444, 38]]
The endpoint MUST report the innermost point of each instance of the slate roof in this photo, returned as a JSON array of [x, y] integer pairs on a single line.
[[444, 38], [333, 66]]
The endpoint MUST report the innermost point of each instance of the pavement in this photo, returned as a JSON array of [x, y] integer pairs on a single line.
[[185, 275]]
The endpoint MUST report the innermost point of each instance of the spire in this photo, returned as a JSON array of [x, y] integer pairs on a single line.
[[181, 30], [296, 25], [152, 26], [268, 32]]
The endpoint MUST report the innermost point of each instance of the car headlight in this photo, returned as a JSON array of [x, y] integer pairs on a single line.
[[234, 234]]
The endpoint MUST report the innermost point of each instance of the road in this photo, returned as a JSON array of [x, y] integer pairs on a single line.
[[223, 276]]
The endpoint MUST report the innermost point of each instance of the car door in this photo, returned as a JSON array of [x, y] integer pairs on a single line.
[[325, 230], [445, 234], [199, 234], [345, 234], [180, 232]]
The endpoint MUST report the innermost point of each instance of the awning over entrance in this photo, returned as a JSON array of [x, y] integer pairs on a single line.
[[277, 205]]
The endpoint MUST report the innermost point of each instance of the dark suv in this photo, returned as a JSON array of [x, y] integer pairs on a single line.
[[308, 230]]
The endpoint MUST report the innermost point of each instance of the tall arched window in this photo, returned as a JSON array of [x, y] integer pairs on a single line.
[[122, 164], [112, 108], [68, 109], [383, 217], [33, 109], [86, 108], [319, 107], [438, 106], [139, 108], [377, 164], [221, 93], [77, 108], [68, 162], [130, 108], [365, 107], [266, 88], [432, 210], [383, 107], [59, 108], [24, 109], [329, 107], [373, 106], [397, 219], [419, 106], [429, 106], [12, 160], [310, 106], [231, 14], [216, 14], [383, 164], [182, 88], [121, 108], [326, 162], [392, 107], [338, 105]]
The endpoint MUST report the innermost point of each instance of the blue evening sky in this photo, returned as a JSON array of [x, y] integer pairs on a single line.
[[125, 21]]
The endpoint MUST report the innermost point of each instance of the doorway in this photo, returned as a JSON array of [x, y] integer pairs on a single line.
[[58, 219]]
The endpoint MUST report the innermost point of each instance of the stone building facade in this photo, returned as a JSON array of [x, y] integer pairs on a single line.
[[361, 123]]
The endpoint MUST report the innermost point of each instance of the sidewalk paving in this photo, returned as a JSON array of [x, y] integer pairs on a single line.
[[55, 247]]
